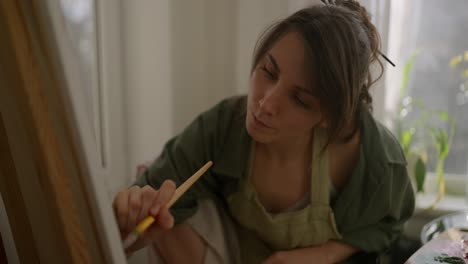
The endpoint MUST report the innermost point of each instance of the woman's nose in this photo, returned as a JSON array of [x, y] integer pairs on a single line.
[[269, 104]]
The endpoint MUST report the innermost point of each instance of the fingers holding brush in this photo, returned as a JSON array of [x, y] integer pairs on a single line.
[[165, 193], [165, 218], [146, 206], [133, 205], [148, 196]]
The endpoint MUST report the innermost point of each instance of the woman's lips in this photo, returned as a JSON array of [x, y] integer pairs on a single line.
[[260, 123]]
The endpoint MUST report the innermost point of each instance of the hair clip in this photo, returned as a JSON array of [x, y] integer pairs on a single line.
[[387, 59], [333, 2], [328, 2]]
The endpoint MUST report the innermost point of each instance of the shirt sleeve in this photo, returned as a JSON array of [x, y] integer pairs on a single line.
[[183, 155], [391, 209]]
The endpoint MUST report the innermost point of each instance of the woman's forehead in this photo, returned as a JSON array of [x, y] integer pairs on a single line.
[[289, 55], [289, 49]]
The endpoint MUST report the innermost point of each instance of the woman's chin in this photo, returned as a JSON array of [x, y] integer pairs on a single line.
[[257, 135]]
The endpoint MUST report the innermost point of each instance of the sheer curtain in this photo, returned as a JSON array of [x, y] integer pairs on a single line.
[[380, 12], [434, 33]]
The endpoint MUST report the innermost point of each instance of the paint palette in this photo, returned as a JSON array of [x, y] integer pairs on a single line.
[[448, 247]]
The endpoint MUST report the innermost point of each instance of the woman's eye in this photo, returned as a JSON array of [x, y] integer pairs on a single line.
[[269, 73], [300, 102]]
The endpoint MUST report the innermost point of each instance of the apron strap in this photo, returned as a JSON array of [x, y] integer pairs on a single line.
[[320, 181]]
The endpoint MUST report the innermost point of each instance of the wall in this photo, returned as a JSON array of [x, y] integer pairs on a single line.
[[147, 78]]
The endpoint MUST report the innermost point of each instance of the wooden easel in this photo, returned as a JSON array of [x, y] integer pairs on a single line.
[[43, 180]]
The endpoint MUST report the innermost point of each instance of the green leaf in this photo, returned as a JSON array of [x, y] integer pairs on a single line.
[[444, 148], [434, 135], [441, 141], [405, 140], [437, 139], [420, 174], [406, 72], [443, 115]]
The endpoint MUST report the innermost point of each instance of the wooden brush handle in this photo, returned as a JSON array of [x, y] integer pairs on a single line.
[[188, 183]]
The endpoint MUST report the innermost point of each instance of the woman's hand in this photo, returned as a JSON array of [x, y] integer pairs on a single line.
[[134, 204], [280, 257], [327, 253], [294, 256]]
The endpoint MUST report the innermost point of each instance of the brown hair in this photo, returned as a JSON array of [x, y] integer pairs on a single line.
[[340, 45]]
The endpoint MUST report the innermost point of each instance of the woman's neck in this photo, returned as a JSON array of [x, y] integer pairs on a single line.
[[297, 148], [290, 150]]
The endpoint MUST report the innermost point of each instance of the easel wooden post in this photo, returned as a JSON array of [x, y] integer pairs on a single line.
[[42, 180]]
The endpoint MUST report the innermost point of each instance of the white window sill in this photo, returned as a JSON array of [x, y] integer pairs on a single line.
[[448, 203], [453, 200]]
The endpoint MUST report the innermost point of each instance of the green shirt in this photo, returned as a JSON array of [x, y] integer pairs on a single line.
[[369, 211]]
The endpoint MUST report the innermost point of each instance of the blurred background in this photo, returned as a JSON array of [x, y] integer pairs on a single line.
[[141, 70]]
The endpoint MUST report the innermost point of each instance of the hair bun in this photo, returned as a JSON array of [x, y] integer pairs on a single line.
[[372, 34], [365, 17]]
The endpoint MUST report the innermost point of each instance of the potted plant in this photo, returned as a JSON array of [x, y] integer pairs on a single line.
[[427, 135]]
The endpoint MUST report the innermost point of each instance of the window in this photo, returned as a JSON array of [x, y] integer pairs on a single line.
[[80, 25], [433, 35]]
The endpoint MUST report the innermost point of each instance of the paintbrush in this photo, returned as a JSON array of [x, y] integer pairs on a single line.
[[146, 222]]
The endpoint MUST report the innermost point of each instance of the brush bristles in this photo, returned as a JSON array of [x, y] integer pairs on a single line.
[[129, 240]]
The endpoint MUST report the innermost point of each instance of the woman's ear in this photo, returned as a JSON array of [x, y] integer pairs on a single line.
[[323, 123]]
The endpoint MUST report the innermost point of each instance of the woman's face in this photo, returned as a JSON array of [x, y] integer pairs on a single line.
[[280, 106]]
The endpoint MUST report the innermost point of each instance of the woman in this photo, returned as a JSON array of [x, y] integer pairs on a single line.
[[302, 172]]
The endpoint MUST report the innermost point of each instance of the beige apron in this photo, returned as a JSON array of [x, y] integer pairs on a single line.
[[261, 233]]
